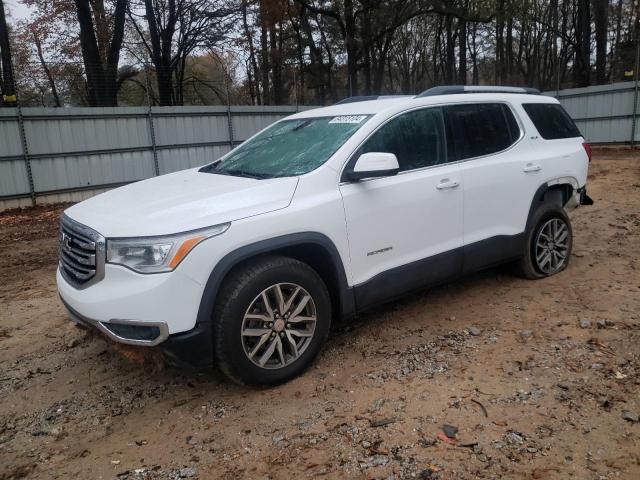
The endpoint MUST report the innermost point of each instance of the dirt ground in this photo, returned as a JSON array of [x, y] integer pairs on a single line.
[[541, 378]]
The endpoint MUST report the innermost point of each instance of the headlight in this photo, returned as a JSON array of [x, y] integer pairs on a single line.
[[158, 254]]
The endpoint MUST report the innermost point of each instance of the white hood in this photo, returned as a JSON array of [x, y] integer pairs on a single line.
[[181, 201]]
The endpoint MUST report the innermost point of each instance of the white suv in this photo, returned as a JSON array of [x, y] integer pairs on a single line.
[[246, 261]]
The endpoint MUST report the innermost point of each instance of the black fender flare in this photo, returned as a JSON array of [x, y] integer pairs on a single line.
[[538, 199], [228, 262]]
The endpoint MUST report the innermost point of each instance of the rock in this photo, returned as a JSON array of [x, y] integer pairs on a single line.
[[382, 422], [604, 324], [187, 472], [475, 331], [277, 438], [73, 343], [379, 460], [449, 430], [427, 441], [630, 416], [425, 474], [525, 335], [514, 438], [366, 444], [377, 404], [584, 323], [374, 461]]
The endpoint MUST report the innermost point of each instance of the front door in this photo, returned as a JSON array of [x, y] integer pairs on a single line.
[[405, 231]]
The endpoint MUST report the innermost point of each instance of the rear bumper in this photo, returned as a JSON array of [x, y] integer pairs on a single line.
[[192, 349], [584, 198], [578, 198]]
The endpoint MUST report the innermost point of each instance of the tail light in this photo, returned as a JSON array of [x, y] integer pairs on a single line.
[[587, 148]]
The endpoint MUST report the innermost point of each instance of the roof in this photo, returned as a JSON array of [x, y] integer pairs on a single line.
[[399, 103]]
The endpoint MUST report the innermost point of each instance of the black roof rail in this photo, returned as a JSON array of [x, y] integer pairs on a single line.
[[457, 89], [366, 98]]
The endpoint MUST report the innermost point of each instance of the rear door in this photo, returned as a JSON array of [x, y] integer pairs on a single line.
[[500, 178], [405, 231]]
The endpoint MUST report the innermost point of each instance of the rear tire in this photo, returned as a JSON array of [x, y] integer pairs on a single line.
[[548, 243], [270, 321]]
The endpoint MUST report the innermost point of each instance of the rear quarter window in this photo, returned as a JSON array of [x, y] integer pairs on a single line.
[[551, 120]]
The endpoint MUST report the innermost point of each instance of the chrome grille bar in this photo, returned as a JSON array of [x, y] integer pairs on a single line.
[[81, 252]]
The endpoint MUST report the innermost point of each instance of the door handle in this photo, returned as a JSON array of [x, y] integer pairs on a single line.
[[531, 167], [446, 183]]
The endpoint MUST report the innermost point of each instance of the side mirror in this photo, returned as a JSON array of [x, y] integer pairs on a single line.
[[374, 164]]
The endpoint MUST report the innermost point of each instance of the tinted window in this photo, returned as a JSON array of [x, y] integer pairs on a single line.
[[551, 120], [416, 138], [481, 128]]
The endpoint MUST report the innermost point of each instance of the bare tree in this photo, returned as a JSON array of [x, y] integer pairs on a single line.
[[101, 42]]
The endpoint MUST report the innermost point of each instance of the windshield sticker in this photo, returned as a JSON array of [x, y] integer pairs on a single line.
[[348, 119]]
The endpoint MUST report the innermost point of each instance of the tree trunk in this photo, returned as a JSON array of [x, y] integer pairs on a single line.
[[450, 51], [276, 65], [600, 14], [102, 73], [508, 46], [352, 49], [47, 71], [7, 87], [161, 51], [499, 43], [474, 55], [264, 55], [583, 43], [253, 66], [462, 36], [90, 53]]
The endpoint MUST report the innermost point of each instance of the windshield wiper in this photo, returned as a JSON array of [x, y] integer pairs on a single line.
[[243, 173], [210, 167], [302, 125]]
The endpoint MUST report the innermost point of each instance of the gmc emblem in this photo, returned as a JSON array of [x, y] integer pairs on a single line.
[[65, 242]]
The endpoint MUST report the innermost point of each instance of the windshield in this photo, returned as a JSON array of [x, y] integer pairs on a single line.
[[289, 147]]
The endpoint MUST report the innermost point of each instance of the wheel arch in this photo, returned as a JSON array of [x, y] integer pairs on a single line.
[[559, 191], [314, 249]]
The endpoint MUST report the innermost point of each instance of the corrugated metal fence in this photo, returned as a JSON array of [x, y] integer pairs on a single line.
[[604, 113], [67, 154]]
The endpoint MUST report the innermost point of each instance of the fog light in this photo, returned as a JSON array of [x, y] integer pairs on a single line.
[[133, 332]]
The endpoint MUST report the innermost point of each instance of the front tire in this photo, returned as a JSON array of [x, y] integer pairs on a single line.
[[548, 244], [270, 321]]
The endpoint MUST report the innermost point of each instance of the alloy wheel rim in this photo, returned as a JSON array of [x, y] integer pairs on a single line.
[[278, 326], [552, 246]]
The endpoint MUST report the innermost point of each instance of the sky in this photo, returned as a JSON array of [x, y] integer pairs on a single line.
[[16, 10]]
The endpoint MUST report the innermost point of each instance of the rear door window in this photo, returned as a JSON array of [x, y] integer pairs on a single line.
[[551, 120], [480, 129]]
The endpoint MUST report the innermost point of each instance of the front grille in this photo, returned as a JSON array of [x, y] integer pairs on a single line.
[[81, 251]]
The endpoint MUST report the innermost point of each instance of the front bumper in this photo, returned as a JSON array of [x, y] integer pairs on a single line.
[[192, 349], [158, 310], [148, 334], [126, 297]]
